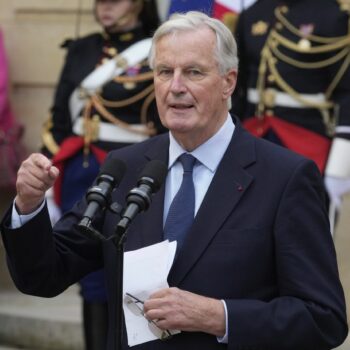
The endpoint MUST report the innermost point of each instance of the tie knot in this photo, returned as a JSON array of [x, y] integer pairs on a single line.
[[187, 161]]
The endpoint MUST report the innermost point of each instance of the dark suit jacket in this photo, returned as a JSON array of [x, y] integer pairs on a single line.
[[260, 241]]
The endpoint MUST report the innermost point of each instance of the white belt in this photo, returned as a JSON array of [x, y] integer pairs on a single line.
[[342, 129], [283, 99], [113, 133]]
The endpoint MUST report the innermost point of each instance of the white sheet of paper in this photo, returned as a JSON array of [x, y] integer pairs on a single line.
[[145, 271]]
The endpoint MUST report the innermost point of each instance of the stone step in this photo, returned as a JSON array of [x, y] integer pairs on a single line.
[[5, 347], [39, 323]]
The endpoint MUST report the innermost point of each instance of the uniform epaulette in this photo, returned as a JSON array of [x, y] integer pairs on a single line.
[[47, 137], [230, 19], [344, 5]]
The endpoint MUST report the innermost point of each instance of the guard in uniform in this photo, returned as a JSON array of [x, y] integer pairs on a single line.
[[104, 100], [294, 80]]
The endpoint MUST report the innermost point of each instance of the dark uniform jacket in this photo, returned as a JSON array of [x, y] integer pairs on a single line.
[[300, 48], [128, 98]]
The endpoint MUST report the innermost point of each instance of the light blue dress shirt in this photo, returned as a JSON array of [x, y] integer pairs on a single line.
[[209, 155]]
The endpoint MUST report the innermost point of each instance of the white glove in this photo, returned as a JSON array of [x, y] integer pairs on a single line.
[[337, 172], [54, 211], [336, 188]]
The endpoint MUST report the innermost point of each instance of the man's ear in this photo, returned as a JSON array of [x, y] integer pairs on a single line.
[[230, 80]]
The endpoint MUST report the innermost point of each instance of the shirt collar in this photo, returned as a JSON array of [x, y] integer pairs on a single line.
[[208, 153]]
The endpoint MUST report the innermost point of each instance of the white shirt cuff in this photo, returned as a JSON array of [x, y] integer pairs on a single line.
[[18, 220], [224, 339]]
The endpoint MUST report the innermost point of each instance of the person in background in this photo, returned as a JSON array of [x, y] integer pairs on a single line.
[[12, 150], [104, 100], [294, 82], [255, 265], [5, 110]]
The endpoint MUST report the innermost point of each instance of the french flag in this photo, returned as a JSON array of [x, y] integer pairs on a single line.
[[182, 6], [222, 8]]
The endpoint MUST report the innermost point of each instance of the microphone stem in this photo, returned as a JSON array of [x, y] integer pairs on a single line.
[[85, 221], [122, 226], [119, 243]]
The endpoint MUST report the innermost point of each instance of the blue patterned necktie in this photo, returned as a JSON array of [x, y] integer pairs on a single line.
[[181, 211]]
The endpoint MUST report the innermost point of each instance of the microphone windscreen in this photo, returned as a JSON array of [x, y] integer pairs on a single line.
[[155, 170], [113, 167]]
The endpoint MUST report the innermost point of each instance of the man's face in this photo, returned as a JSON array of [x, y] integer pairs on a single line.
[[190, 91]]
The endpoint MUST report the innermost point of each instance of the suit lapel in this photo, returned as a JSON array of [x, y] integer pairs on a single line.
[[227, 188]]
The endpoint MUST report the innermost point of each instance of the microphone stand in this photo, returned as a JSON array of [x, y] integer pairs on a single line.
[[119, 240], [138, 200]]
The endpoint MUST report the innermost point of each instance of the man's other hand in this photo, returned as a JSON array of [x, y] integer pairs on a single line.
[[173, 308]]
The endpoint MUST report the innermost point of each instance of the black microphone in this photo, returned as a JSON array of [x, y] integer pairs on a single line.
[[98, 196], [140, 197]]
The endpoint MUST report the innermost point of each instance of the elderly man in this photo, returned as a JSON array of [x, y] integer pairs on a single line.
[[255, 266]]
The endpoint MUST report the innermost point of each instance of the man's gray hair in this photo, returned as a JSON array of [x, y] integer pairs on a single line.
[[226, 47]]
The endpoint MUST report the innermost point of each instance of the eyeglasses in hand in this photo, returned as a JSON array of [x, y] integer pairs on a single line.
[[135, 305]]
